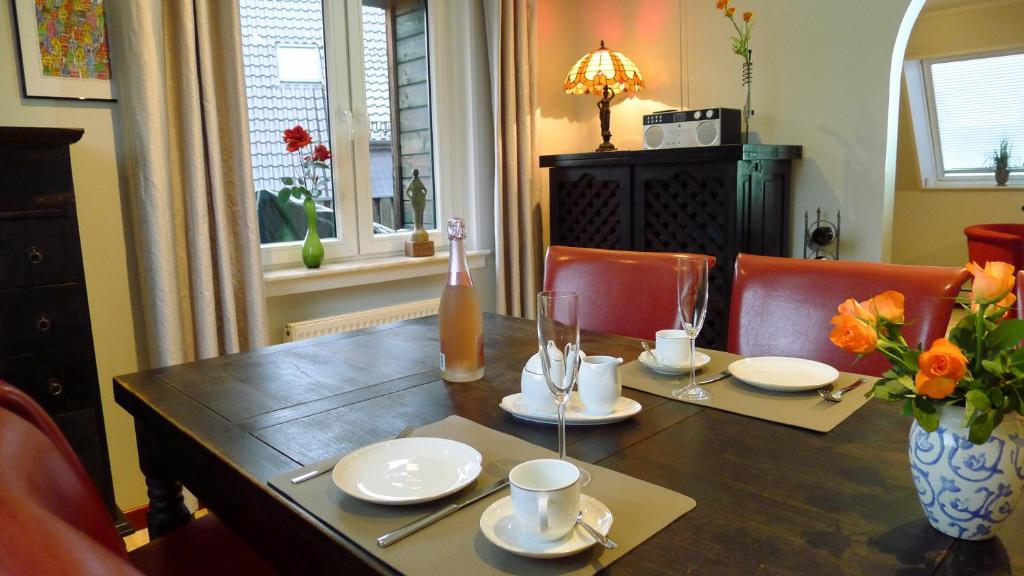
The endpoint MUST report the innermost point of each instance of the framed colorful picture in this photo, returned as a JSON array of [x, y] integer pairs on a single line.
[[63, 48]]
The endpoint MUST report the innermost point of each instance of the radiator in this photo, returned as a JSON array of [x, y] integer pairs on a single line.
[[356, 320]]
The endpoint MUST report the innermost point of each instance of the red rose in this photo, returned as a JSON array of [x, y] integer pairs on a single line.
[[321, 153], [296, 137]]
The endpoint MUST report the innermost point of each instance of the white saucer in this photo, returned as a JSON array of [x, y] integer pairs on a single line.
[[407, 470], [516, 405], [500, 525], [650, 362], [782, 374]]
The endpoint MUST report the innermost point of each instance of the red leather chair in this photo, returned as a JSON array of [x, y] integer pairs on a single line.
[[620, 292], [783, 306], [998, 242], [54, 522], [1020, 293]]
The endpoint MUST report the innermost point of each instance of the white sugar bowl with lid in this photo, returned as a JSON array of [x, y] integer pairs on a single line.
[[535, 387]]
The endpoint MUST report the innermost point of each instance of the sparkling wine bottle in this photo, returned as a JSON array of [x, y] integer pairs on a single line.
[[459, 319]]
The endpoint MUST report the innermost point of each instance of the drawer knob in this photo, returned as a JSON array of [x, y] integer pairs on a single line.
[[34, 255], [55, 388], [43, 324]]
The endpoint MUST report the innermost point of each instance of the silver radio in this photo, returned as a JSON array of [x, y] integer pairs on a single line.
[[691, 128]]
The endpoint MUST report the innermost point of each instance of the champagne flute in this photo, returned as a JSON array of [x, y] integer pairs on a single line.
[[558, 338], [692, 291]]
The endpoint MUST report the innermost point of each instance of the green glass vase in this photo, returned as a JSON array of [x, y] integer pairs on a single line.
[[312, 248]]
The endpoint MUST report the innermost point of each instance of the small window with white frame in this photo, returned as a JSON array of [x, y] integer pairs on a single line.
[[355, 74], [964, 110]]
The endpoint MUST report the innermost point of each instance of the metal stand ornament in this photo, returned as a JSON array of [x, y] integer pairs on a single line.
[[419, 243], [821, 237]]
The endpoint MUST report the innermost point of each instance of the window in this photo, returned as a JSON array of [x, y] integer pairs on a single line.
[[962, 109], [355, 74]]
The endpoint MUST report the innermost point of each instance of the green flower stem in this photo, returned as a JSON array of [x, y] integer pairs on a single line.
[[979, 337], [884, 344]]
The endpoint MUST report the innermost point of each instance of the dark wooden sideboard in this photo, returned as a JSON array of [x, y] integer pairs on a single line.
[[719, 200], [46, 343]]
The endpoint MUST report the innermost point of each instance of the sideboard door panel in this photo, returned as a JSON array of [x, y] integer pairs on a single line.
[[590, 207], [688, 208]]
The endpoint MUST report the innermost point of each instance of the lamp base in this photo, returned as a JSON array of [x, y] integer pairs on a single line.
[[604, 106]]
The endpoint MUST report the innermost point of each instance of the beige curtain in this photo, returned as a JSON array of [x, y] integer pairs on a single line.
[[512, 45], [185, 150]]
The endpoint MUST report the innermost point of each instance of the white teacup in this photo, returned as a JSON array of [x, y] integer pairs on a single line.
[[535, 387], [600, 384], [672, 347], [546, 497]]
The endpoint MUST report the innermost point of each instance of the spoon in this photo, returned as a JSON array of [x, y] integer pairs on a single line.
[[651, 351], [601, 538]]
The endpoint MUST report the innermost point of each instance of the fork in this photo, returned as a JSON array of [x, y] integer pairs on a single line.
[[830, 397]]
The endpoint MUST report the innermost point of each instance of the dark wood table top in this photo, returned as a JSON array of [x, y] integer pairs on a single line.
[[770, 499]]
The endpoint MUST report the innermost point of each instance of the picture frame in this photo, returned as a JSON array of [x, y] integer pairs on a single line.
[[63, 49]]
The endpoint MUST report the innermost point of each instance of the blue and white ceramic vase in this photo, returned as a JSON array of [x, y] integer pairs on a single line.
[[967, 491]]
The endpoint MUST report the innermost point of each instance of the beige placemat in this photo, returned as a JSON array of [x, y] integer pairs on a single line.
[[798, 409], [455, 545]]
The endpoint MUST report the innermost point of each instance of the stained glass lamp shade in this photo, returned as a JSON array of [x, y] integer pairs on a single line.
[[605, 72]]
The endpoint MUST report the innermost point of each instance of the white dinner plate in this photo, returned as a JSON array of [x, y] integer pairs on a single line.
[[517, 406], [407, 470], [647, 360], [783, 374], [500, 525]]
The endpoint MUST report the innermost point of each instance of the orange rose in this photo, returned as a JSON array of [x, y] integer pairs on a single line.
[[888, 305], [1004, 304], [940, 368], [721, 4], [296, 137], [730, 11], [856, 309], [992, 282], [747, 16], [853, 335]]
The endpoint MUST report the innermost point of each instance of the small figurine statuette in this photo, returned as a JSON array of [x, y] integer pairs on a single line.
[[419, 243]]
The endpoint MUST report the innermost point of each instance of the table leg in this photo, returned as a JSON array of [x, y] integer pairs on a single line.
[[167, 508]]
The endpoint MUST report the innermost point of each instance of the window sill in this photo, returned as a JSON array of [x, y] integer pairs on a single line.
[[974, 186], [361, 272]]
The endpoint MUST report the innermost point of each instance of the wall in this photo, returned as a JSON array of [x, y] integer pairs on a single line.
[[929, 223], [821, 79], [101, 220]]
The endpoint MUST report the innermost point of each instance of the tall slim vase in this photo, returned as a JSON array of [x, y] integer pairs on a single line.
[[312, 248], [748, 79]]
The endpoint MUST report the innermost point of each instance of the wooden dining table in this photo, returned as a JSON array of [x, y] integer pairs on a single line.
[[771, 499]]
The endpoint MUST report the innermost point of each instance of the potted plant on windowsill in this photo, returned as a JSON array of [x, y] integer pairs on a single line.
[[308, 185], [1001, 162], [966, 394]]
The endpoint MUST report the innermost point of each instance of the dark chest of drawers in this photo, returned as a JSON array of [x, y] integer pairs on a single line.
[[719, 200], [46, 345]]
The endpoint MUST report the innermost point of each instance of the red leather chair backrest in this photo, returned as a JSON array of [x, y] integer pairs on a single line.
[[53, 519], [996, 242], [783, 306], [620, 292], [1020, 293]]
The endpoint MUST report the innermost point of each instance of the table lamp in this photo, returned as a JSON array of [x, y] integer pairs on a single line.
[[604, 72]]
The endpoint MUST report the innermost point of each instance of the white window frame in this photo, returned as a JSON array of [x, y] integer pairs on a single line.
[[924, 118], [350, 137]]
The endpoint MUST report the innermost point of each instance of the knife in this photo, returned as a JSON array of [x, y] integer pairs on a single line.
[[715, 378], [417, 525]]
